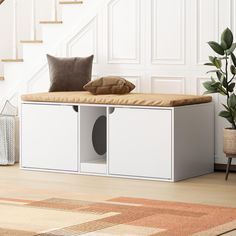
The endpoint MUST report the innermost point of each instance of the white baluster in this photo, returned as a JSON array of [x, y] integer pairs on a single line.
[[15, 30], [54, 11], [33, 21]]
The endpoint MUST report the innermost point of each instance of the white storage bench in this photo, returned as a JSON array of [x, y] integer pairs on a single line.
[[106, 135]]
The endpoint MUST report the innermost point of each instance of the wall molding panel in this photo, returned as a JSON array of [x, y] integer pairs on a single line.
[[199, 86], [124, 42], [168, 84], [232, 15], [85, 42], [207, 27], [168, 40]]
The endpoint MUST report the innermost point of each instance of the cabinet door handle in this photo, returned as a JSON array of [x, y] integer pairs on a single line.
[[76, 108]]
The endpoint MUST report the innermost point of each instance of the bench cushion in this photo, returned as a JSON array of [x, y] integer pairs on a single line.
[[132, 99]]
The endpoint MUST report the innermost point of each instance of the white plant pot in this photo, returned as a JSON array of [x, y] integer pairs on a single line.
[[230, 141]]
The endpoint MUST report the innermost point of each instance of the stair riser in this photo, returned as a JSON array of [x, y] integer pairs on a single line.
[[53, 34], [31, 51], [35, 54], [72, 14], [25, 78], [14, 71], [14, 74]]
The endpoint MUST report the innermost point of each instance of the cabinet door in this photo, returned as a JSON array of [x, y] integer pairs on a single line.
[[49, 137], [140, 142]]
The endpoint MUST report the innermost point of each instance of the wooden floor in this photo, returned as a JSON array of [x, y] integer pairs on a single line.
[[210, 189]]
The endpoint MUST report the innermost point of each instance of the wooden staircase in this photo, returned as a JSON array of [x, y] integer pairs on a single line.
[[27, 70], [33, 40]]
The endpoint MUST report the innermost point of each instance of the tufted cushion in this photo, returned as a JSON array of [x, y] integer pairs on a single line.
[[131, 99], [109, 85]]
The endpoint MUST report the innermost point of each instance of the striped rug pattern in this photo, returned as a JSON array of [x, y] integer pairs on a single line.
[[117, 216]]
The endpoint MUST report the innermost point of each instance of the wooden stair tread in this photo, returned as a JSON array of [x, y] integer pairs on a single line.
[[31, 41], [50, 22], [12, 60], [70, 2]]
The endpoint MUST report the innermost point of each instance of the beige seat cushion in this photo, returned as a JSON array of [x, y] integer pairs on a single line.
[[132, 99]]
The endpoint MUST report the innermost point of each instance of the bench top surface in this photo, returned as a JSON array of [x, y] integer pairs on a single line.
[[132, 99]]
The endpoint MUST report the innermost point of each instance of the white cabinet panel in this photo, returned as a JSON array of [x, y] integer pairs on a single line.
[[49, 137], [140, 142]]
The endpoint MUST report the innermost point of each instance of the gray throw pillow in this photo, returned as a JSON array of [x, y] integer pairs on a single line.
[[69, 74]]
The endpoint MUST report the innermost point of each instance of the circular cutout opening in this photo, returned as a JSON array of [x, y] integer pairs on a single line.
[[99, 135]]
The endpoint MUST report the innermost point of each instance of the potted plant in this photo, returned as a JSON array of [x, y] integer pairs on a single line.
[[223, 83]]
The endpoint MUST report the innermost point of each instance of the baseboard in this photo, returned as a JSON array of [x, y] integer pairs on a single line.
[[222, 167]]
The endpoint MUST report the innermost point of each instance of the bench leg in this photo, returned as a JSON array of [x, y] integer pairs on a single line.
[[228, 167]]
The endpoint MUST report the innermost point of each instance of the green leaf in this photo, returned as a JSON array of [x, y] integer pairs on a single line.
[[233, 59], [231, 87], [223, 58], [224, 45], [216, 84], [232, 101], [208, 86], [233, 69], [212, 59], [216, 47], [227, 38], [224, 81], [234, 115], [212, 71], [225, 114], [209, 92], [209, 64], [213, 80], [225, 107], [230, 120], [218, 63], [223, 93], [232, 48], [214, 87], [219, 75]]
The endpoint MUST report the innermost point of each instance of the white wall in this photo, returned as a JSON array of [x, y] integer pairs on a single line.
[[160, 45]]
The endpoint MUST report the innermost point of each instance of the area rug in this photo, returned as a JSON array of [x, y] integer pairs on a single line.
[[117, 216]]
